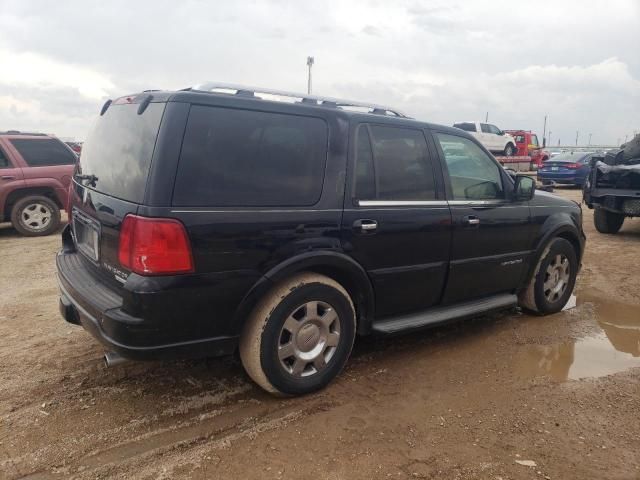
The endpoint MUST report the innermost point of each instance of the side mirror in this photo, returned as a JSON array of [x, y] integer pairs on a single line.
[[524, 188]]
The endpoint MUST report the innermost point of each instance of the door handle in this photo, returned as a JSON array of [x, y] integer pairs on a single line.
[[8, 177], [365, 225], [471, 220]]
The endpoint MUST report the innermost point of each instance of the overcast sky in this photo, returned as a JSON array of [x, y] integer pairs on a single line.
[[439, 61]]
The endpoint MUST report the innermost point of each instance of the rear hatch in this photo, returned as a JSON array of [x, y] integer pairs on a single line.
[[110, 180]]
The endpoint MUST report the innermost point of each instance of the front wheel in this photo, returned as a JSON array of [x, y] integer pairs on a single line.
[[299, 336], [606, 221], [509, 150], [553, 279]]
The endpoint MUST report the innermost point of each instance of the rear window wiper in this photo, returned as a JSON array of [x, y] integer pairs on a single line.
[[91, 179]]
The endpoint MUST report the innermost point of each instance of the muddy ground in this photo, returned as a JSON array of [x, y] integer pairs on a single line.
[[463, 401]]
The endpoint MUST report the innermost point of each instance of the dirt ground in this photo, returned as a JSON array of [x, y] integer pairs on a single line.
[[464, 401]]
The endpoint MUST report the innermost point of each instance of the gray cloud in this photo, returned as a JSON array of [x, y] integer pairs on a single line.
[[438, 61]]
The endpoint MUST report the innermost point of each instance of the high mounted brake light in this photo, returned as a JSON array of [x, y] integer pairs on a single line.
[[154, 246]]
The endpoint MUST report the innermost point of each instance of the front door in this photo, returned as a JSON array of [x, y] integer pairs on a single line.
[[489, 249], [396, 222]]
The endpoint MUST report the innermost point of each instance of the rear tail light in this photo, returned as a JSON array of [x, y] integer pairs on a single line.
[[573, 165], [154, 246]]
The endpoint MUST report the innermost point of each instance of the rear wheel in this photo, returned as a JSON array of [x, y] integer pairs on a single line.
[[606, 221], [509, 150], [299, 336], [35, 215], [553, 279]]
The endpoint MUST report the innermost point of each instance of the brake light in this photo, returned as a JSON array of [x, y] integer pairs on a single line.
[[573, 165], [154, 246]]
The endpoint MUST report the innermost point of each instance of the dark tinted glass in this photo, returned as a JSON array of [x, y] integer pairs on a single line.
[[472, 173], [4, 161], [466, 126], [119, 148], [485, 128], [401, 165], [245, 158], [365, 172], [44, 151]]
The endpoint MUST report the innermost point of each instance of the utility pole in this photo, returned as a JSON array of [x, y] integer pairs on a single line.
[[486, 118], [309, 64], [544, 131], [577, 135], [590, 139]]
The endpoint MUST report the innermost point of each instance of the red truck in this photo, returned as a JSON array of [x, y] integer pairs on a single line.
[[35, 173], [527, 145]]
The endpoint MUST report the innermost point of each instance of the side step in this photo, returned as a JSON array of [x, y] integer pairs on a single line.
[[437, 315]]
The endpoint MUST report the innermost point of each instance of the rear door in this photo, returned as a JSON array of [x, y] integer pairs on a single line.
[[10, 176], [48, 162], [490, 232], [396, 222]]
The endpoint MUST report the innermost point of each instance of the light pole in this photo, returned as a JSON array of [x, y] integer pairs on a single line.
[[577, 135], [590, 139], [544, 131], [309, 64]]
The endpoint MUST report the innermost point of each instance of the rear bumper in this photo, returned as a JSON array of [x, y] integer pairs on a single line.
[[98, 309], [560, 178]]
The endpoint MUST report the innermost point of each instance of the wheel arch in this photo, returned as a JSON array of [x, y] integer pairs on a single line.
[[22, 192], [338, 266], [556, 228]]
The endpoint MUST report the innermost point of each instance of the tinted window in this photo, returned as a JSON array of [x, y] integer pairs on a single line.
[[485, 128], [398, 159], [245, 158], [473, 174], [118, 150], [45, 151], [4, 161], [466, 126]]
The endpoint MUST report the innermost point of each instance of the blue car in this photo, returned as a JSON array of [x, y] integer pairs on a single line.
[[569, 168]]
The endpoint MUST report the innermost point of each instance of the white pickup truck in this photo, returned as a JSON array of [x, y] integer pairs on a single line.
[[494, 139]]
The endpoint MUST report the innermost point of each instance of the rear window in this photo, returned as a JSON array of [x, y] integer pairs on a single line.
[[118, 150], [466, 126], [246, 158], [43, 152]]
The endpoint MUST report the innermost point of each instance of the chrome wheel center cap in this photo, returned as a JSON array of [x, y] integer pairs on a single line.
[[308, 337]]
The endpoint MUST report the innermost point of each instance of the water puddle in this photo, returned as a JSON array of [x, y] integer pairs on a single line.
[[615, 349]]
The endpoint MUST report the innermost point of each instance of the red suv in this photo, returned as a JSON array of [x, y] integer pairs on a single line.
[[35, 173]]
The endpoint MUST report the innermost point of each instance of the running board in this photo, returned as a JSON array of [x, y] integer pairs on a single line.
[[437, 315]]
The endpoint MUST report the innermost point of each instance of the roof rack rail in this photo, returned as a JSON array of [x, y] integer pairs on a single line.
[[17, 132], [302, 98]]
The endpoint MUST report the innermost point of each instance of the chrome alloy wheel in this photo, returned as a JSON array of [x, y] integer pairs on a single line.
[[556, 278], [36, 216], [309, 338]]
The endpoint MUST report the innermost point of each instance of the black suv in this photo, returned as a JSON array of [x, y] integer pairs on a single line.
[[222, 218]]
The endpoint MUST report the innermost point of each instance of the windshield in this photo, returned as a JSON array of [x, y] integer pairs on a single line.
[[116, 157]]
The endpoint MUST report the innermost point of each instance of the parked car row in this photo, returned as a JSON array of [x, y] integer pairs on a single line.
[[225, 222]]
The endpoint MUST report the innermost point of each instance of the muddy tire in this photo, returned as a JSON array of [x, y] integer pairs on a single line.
[[606, 221], [35, 216], [553, 279], [299, 336], [509, 149]]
